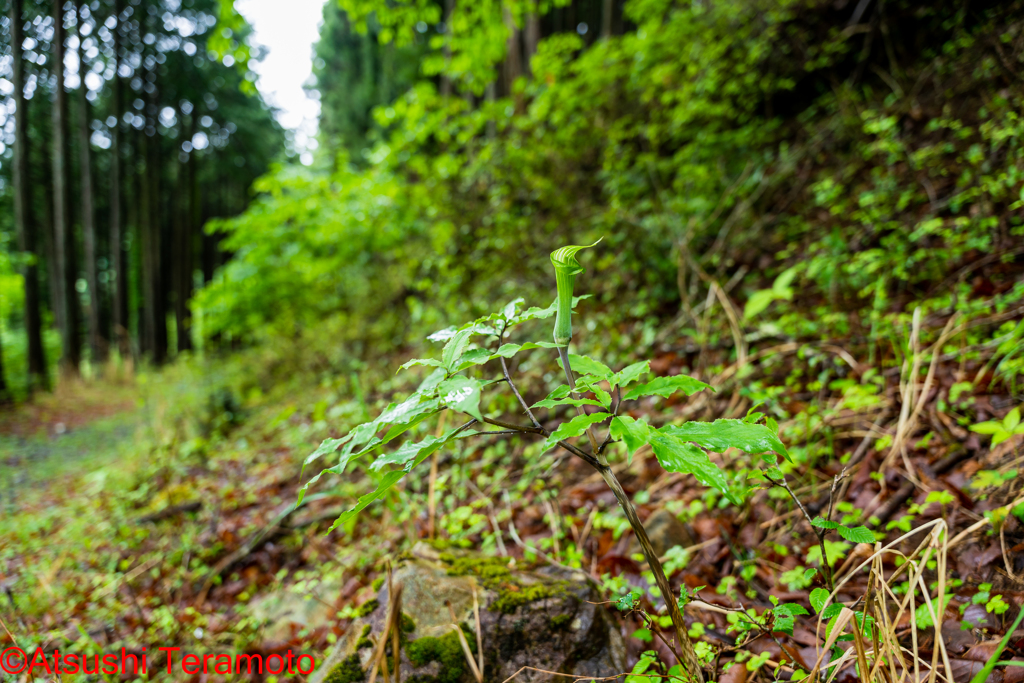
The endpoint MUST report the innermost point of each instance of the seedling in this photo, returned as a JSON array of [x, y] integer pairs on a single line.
[[481, 345]]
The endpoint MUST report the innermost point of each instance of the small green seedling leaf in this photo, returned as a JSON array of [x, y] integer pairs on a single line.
[[857, 534], [818, 598], [824, 523]]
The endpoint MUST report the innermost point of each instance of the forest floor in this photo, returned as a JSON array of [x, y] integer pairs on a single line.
[[162, 512]]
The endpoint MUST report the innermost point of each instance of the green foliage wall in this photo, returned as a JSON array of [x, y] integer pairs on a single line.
[[714, 143]]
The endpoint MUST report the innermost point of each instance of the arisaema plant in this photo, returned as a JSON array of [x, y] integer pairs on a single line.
[[474, 361]]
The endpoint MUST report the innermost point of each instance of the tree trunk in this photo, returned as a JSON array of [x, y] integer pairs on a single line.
[[513, 61], [186, 244], [531, 36], [96, 343], [606, 18], [64, 243], [157, 243], [23, 218], [119, 283], [146, 250]]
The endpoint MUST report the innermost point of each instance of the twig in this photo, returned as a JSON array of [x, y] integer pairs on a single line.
[[512, 385], [479, 631], [432, 483], [477, 674], [819, 533]]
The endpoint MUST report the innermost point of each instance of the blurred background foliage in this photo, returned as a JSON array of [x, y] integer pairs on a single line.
[[820, 169], [873, 155]]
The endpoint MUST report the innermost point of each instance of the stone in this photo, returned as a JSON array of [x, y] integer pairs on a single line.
[[283, 612], [544, 619], [665, 531]]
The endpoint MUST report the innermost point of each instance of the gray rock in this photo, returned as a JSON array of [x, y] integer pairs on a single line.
[[282, 611], [542, 619], [665, 531]]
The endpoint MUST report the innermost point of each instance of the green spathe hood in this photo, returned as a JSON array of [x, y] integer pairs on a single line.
[[566, 270]]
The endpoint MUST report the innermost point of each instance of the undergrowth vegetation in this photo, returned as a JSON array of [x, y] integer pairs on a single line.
[[812, 227]]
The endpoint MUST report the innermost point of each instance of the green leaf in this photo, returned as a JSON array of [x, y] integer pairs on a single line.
[[420, 361], [590, 383], [537, 313], [784, 624], [630, 373], [305, 487], [666, 386], [987, 427], [561, 397], [721, 435], [643, 634], [409, 451], [584, 365], [824, 523], [676, 455], [400, 413], [818, 597], [832, 610], [757, 302], [512, 308], [386, 482], [857, 534], [782, 283], [633, 433], [555, 402], [399, 429], [509, 350], [790, 609], [573, 427], [463, 394], [627, 601], [646, 659], [474, 357], [327, 446], [455, 347], [1011, 420]]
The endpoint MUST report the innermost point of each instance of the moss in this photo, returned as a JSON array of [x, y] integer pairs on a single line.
[[407, 625], [367, 607], [377, 583], [346, 671], [560, 621], [441, 544], [509, 600], [363, 640], [494, 574], [491, 571], [446, 651]]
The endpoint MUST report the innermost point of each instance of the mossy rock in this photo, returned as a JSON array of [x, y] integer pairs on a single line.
[[543, 619], [347, 670]]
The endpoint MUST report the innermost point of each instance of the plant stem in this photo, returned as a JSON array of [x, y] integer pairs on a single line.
[[820, 534], [689, 657], [563, 351], [690, 662]]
